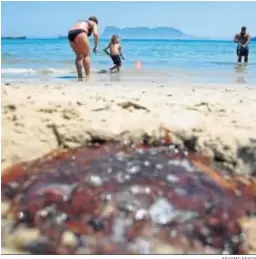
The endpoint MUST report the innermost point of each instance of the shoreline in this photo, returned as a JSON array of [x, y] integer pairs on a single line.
[[218, 121], [238, 75]]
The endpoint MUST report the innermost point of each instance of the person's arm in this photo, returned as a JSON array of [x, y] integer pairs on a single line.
[[120, 51], [236, 40], [106, 50], [248, 40], [95, 36]]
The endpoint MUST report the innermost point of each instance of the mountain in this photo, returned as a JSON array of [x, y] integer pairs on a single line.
[[253, 39], [145, 33]]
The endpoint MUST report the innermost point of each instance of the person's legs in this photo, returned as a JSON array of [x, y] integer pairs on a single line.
[[78, 60], [81, 48], [87, 65], [238, 53], [117, 62], [79, 66], [246, 54], [113, 68], [84, 46]]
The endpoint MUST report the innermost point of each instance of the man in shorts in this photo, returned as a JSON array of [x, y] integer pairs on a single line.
[[243, 39]]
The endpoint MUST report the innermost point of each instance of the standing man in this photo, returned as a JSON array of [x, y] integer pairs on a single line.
[[243, 39]]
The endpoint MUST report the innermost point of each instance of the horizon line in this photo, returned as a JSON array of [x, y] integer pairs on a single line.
[[104, 38]]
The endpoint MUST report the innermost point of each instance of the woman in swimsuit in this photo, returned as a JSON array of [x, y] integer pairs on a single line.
[[79, 41]]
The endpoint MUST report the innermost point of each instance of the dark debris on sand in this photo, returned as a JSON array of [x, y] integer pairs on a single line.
[[128, 199]]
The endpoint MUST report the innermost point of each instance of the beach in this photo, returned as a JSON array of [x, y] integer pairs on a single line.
[[153, 152], [218, 121]]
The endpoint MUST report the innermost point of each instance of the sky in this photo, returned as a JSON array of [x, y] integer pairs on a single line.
[[217, 20]]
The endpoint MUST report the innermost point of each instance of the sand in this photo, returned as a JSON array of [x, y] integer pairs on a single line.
[[217, 120]]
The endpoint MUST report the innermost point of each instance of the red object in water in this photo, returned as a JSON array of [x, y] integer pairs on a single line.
[[138, 65]]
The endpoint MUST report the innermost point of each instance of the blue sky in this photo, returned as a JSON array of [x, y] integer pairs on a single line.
[[204, 19]]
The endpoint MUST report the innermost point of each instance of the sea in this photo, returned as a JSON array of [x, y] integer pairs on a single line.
[[195, 61]]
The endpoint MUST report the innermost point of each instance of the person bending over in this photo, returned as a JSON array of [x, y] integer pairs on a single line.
[[79, 41]]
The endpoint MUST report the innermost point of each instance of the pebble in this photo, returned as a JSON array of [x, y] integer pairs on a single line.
[[69, 239], [4, 207], [6, 228], [141, 214], [119, 228], [108, 209], [133, 170], [96, 223], [136, 189], [159, 166], [249, 228], [84, 251], [161, 211], [159, 247], [22, 237], [184, 216], [39, 247], [11, 189], [172, 178], [95, 180], [11, 251], [147, 163], [147, 190], [142, 245], [59, 219]]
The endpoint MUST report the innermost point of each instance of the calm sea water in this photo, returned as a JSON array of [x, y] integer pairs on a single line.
[[172, 60]]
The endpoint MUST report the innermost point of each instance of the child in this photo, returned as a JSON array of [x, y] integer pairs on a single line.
[[115, 52]]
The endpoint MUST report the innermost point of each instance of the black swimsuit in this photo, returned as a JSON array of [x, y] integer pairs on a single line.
[[243, 51], [116, 58], [72, 34]]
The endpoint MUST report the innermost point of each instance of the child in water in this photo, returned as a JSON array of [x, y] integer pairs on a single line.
[[115, 52]]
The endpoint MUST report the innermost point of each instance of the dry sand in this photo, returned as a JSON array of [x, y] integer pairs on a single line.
[[217, 120]]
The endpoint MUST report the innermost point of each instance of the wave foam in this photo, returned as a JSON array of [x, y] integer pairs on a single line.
[[17, 71], [39, 71]]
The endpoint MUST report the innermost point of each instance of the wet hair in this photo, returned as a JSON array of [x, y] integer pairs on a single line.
[[243, 28], [94, 19], [115, 38]]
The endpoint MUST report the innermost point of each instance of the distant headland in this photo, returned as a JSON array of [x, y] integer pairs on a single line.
[[146, 33], [253, 39]]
